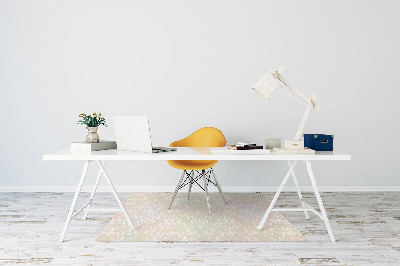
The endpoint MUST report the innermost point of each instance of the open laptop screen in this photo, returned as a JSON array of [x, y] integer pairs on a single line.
[[132, 133]]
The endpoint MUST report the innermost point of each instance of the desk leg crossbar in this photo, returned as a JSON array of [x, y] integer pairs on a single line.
[[86, 207], [305, 206]]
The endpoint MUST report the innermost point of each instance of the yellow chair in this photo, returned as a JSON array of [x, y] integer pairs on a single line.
[[204, 137]]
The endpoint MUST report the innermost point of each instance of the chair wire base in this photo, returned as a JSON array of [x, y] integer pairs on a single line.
[[192, 177]]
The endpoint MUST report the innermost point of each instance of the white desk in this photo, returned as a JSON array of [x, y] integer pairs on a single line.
[[194, 154]]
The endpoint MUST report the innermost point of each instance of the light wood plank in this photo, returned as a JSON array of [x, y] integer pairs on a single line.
[[366, 227]]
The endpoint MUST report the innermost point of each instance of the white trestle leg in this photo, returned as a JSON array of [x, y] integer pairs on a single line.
[[116, 195], [71, 210], [321, 205], [271, 205], [86, 207], [299, 192], [305, 206], [93, 192]]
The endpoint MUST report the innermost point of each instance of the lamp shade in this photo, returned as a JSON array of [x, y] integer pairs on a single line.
[[266, 86]]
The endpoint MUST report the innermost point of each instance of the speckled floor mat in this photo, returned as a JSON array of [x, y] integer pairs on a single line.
[[189, 220]]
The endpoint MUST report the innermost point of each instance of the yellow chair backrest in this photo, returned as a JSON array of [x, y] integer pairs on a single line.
[[204, 137]]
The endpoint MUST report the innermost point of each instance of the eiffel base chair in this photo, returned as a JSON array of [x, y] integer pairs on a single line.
[[194, 170], [192, 179]]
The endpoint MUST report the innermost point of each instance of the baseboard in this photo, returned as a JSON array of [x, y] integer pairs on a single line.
[[196, 189]]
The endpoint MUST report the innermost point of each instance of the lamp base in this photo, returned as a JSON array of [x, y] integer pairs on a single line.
[[293, 151]]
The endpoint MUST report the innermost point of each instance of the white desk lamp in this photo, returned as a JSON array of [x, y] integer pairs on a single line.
[[266, 86]]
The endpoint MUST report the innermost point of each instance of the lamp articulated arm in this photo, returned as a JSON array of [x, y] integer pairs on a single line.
[[277, 75], [305, 117], [311, 102]]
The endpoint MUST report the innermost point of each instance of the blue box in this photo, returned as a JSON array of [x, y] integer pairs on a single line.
[[318, 142]]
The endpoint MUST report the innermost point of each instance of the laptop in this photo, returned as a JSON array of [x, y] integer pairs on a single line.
[[133, 134]]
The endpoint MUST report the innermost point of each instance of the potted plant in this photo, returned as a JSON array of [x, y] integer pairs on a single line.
[[92, 123]]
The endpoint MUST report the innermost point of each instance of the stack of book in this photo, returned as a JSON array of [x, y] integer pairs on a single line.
[[98, 146], [240, 148], [245, 146]]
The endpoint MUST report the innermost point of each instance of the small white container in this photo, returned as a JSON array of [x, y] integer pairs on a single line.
[[294, 144], [271, 143]]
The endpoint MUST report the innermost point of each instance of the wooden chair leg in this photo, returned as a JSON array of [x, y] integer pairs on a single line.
[[206, 189], [177, 188], [190, 184], [218, 186]]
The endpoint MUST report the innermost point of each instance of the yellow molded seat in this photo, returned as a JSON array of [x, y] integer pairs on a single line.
[[204, 137]]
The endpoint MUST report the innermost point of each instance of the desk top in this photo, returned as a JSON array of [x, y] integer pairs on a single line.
[[186, 153]]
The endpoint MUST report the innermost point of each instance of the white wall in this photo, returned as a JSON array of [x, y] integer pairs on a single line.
[[190, 64]]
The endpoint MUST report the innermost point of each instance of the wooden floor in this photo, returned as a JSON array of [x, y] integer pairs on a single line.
[[366, 226]]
